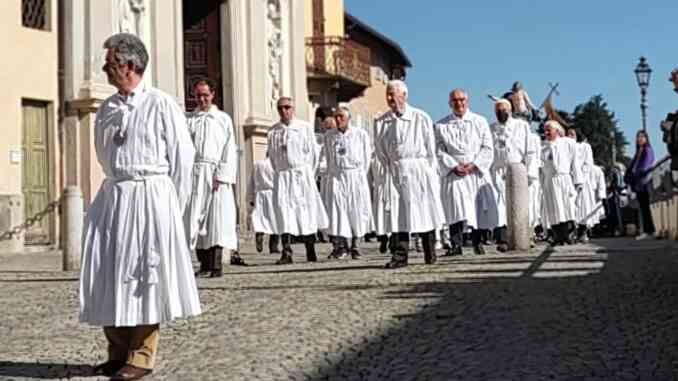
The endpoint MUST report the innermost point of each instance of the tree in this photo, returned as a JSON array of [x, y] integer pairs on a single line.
[[595, 123]]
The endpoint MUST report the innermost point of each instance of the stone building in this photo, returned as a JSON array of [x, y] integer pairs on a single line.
[[254, 49]]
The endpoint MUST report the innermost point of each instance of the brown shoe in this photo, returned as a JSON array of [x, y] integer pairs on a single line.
[[109, 368], [130, 372]]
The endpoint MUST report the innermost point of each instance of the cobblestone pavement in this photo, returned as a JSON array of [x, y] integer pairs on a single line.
[[603, 311]]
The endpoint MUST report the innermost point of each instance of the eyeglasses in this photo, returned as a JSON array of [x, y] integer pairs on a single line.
[[461, 100], [284, 107]]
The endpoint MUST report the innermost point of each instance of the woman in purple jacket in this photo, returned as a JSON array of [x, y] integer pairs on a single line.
[[637, 176]]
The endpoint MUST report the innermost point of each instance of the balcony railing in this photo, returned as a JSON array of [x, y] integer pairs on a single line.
[[338, 57]]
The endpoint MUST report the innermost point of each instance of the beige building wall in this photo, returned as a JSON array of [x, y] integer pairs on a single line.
[[333, 12], [372, 103], [28, 70]]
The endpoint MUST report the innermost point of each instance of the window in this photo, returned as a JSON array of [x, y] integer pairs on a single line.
[[35, 14]]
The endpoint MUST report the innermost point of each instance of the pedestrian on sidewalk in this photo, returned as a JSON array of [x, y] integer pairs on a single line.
[[136, 262], [637, 176]]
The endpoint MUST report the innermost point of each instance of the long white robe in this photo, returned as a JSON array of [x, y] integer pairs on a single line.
[[561, 174], [294, 156], [407, 148], [136, 263], [216, 159], [465, 140], [512, 144], [600, 192], [384, 192], [586, 199], [534, 186], [347, 199], [260, 193]]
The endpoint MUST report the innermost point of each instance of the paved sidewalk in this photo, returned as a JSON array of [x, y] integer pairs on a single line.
[[603, 311]]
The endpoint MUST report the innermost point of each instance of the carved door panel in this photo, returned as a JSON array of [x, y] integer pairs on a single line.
[[35, 168], [202, 48]]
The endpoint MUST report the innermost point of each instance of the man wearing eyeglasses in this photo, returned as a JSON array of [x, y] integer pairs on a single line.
[[465, 153], [406, 149], [294, 156]]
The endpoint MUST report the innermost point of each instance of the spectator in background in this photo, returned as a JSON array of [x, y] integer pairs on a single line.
[[637, 178]]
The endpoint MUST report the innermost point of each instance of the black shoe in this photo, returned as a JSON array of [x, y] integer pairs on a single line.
[[453, 252], [109, 368], [285, 259], [237, 260], [479, 250], [355, 254], [502, 248], [430, 258], [217, 256], [396, 263], [259, 242]]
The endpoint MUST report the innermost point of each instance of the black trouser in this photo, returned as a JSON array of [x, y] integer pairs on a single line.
[[614, 217], [402, 240], [210, 259], [500, 234], [308, 240], [457, 230], [645, 214]]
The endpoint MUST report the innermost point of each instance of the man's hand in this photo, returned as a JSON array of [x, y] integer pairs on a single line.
[[470, 168], [215, 184], [460, 170]]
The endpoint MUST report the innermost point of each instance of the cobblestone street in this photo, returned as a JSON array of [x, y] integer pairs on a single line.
[[603, 311]]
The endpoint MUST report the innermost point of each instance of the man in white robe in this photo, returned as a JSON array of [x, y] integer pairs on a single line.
[[384, 193], [561, 181], [348, 151], [294, 156], [586, 199], [136, 262], [211, 212], [406, 147], [534, 186], [600, 192], [511, 145], [260, 200], [465, 155]]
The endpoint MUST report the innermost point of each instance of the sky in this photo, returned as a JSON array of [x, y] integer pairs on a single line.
[[588, 47]]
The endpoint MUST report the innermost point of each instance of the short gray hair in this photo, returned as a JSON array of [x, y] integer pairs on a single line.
[[397, 85], [128, 48], [344, 108]]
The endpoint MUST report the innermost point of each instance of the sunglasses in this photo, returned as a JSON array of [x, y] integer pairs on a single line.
[[284, 107]]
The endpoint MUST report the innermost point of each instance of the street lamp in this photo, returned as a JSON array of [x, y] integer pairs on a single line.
[[643, 72]]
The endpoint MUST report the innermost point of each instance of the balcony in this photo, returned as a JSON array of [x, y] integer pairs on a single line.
[[339, 63]]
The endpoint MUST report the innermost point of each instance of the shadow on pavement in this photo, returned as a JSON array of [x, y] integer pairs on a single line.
[[599, 313], [44, 370]]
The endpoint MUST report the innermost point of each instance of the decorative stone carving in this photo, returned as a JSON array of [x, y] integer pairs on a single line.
[[275, 52], [131, 16]]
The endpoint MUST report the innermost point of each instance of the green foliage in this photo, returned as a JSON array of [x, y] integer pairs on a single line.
[[595, 123]]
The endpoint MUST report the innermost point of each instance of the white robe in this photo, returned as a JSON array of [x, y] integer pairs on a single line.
[[600, 192], [347, 199], [407, 148], [464, 140], [512, 144], [561, 173], [260, 193], [216, 158], [586, 201], [294, 156], [384, 192], [534, 186], [136, 263]]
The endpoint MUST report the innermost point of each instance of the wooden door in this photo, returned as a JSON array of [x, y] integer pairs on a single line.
[[35, 168], [202, 48]]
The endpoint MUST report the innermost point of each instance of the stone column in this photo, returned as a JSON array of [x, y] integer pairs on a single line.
[[72, 214], [517, 205]]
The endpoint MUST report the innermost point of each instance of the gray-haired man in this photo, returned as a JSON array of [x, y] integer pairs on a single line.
[[136, 268]]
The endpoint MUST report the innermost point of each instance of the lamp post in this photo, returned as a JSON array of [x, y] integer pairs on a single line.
[[643, 72]]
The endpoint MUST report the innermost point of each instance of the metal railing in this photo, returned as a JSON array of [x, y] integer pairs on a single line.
[[338, 57]]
